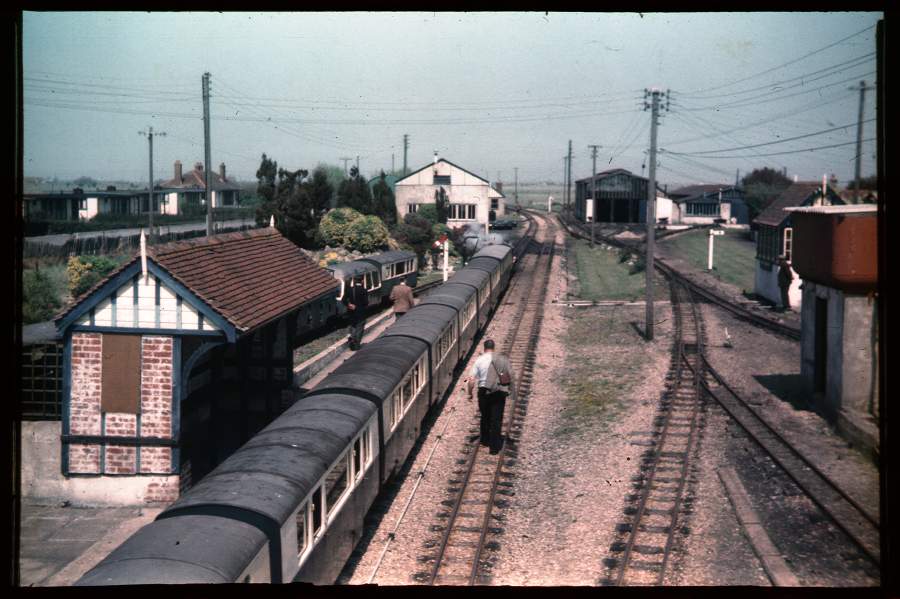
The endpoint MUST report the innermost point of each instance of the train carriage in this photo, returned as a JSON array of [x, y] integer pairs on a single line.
[[500, 254], [464, 299], [394, 266], [393, 374], [480, 280]]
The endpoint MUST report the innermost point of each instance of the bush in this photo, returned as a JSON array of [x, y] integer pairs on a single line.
[[84, 272], [39, 298], [428, 212], [366, 234], [638, 266], [335, 226]]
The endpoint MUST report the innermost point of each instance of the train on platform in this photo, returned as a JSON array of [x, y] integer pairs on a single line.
[[289, 504], [380, 274]]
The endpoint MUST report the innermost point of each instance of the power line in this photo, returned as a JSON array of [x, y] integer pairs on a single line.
[[790, 62], [859, 59], [813, 149], [786, 139]]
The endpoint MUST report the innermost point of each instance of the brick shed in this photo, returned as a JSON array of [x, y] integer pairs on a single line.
[[173, 361]]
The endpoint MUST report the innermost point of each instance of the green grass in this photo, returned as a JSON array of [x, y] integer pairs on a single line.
[[605, 359], [601, 275], [734, 255]]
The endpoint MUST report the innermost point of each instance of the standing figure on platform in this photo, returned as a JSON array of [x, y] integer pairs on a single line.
[[357, 300], [402, 298], [785, 277]]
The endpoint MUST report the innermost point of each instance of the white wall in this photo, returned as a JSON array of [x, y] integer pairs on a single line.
[[766, 285], [91, 210], [419, 188]]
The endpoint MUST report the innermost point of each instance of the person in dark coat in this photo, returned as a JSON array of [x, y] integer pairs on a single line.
[[785, 277], [402, 298], [357, 300]]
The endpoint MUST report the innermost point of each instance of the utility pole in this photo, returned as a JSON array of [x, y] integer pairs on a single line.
[[207, 156], [654, 95], [346, 160], [569, 180], [405, 147], [862, 100], [392, 163], [565, 182], [150, 135], [357, 165], [516, 192], [593, 190]]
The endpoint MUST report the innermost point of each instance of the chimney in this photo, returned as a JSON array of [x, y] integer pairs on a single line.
[[435, 158], [198, 166], [498, 186], [222, 171], [177, 171]]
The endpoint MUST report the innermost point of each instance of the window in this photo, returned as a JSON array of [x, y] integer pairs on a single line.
[[302, 526], [788, 242], [337, 482], [702, 209], [442, 179], [412, 208], [358, 458], [317, 511], [461, 212], [495, 203], [82, 204]]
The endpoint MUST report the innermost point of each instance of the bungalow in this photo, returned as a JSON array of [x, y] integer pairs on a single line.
[[84, 205], [775, 236], [705, 204], [186, 192]]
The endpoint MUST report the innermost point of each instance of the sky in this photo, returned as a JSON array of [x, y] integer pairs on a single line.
[[490, 92]]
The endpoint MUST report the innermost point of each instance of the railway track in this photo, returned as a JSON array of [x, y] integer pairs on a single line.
[[857, 522], [642, 551], [459, 557], [738, 310]]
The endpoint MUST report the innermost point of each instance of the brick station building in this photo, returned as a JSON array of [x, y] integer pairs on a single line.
[[176, 359]]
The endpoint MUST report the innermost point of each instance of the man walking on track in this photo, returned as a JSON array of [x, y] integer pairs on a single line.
[[356, 300], [402, 297], [493, 374]]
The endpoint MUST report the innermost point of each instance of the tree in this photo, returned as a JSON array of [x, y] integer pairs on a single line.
[[85, 182], [415, 233], [265, 190], [320, 188], [335, 226], [441, 205], [383, 201], [39, 299], [354, 193], [335, 176], [762, 186], [429, 213], [367, 234]]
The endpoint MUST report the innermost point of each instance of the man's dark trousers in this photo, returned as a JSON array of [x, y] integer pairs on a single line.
[[491, 407], [357, 326], [785, 301]]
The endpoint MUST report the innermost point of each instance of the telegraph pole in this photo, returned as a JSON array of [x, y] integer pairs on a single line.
[[569, 180], [150, 135], [862, 100], [650, 219], [207, 156], [405, 147], [516, 192], [593, 190], [346, 160], [565, 182], [392, 163], [357, 165]]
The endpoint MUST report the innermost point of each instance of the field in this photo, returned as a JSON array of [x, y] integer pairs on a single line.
[[603, 276], [734, 255]]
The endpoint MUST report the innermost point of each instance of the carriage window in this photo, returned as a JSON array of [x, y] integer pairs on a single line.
[[317, 511], [340, 295], [358, 458], [408, 391], [302, 525], [337, 482], [367, 445], [396, 406]]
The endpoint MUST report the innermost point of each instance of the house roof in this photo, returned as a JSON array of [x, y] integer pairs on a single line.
[[486, 182], [248, 277], [691, 191], [609, 172], [797, 194], [196, 179]]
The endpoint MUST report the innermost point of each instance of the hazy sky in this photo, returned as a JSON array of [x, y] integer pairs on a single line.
[[489, 91]]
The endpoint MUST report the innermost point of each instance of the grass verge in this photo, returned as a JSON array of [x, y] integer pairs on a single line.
[[734, 255]]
